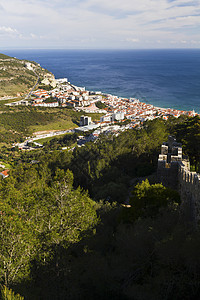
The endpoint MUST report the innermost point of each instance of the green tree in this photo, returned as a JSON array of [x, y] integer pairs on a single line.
[[188, 133], [8, 294], [16, 247], [147, 199]]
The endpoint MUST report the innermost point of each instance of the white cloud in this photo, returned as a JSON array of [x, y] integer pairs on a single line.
[[8, 30], [132, 40], [100, 23]]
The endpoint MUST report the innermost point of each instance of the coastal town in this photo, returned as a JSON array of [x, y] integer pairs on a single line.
[[116, 113]]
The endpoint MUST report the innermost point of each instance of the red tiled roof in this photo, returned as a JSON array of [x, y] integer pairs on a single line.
[[5, 173]]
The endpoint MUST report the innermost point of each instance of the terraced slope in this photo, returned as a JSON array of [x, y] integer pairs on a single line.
[[17, 77]]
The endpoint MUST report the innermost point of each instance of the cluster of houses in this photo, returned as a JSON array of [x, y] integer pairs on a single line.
[[118, 113], [116, 108], [120, 109], [64, 95]]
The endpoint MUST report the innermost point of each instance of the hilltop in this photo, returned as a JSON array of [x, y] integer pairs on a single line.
[[17, 76]]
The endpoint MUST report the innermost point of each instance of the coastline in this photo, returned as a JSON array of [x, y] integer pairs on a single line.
[[114, 109], [165, 78]]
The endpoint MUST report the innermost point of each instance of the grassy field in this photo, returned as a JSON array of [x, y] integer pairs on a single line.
[[62, 119], [12, 89], [44, 140], [18, 122], [55, 125]]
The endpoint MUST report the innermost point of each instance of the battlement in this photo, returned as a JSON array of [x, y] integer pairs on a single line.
[[171, 155], [171, 151], [174, 171]]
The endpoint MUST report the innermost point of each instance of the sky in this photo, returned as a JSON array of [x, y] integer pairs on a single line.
[[99, 24]]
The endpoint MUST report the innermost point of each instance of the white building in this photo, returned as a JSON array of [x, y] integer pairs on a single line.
[[43, 104], [71, 97], [62, 80], [85, 120], [118, 116], [80, 98], [106, 118]]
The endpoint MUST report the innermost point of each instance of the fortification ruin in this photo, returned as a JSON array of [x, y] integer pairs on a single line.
[[174, 172]]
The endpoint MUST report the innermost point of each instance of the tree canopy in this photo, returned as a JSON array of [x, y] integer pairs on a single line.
[[65, 235], [188, 133]]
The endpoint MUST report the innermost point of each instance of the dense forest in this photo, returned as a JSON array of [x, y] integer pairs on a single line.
[[93, 223]]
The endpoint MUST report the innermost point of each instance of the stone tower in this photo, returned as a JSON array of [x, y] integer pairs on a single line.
[[168, 162]]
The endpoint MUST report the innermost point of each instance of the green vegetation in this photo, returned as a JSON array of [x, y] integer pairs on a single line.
[[188, 133], [39, 212], [8, 294], [45, 87], [48, 139], [50, 100], [15, 78], [64, 233], [57, 143], [59, 124], [106, 167], [147, 199], [100, 105], [3, 56], [19, 122]]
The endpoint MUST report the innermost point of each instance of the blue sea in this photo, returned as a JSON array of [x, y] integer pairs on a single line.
[[164, 78]]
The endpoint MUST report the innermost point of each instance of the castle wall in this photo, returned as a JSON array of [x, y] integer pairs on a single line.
[[189, 189], [167, 174], [174, 172]]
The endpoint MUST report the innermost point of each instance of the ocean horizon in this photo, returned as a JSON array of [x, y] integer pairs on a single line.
[[168, 78]]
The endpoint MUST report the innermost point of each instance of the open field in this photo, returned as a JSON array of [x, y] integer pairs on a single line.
[[55, 125], [44, 140], [19, 122]]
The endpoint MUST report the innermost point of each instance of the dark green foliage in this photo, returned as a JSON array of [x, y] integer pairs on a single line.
[[37, 212], [147, 200], [19, 122], [10, 137], [50, 100], [57, 243], [8, 294], [22, 120], [157, 258], [65, 141], [100, 105], [112, 160], [45, 87], [188, 133], [106, 166]]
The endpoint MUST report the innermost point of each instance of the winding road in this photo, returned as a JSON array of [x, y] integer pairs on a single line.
[[38, 78]]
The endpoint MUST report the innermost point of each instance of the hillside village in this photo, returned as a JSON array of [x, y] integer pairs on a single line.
[[115, 109], [117, 114]]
